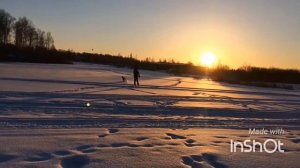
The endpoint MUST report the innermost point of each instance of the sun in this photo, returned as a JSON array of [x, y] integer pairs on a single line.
[[208, 59]]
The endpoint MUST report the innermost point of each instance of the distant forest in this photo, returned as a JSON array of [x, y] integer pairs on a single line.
[[21, 41]]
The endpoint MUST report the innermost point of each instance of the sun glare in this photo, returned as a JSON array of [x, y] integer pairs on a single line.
[[208, 59]]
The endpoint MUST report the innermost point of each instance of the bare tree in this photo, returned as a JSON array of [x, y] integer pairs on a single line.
[[25, 33], [40, 38], [6, 24], [49, 42], [32, 36], [21, 31]]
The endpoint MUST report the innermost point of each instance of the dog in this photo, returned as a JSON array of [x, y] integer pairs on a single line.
[[124, 79]]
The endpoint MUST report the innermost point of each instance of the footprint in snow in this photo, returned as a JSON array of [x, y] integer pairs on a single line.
[[43, 156], [77, 161], [202, 160], [113, 130], [175, 136]]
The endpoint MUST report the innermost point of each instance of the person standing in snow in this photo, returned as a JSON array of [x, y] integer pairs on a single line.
[[136, 76]]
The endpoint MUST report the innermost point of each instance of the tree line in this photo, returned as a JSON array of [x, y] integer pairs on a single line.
[[257, 76], [22, 32]]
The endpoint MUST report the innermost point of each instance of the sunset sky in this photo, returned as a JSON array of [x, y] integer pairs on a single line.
[[239, 32]]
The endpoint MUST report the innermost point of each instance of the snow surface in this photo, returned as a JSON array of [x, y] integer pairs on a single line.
[[50, 95], [45, 120]]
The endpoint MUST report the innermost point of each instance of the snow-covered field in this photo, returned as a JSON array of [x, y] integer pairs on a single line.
[[167, 121]]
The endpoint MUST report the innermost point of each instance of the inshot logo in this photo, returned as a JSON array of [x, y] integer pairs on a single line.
[[269, 146]]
